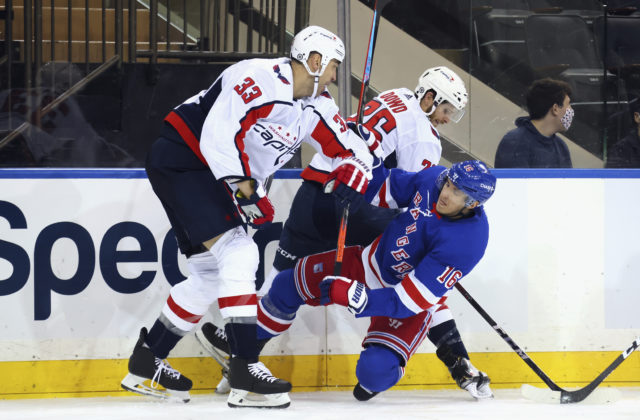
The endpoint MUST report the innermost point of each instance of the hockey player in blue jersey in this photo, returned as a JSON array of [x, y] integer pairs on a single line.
[[405, 274], [208, 169]]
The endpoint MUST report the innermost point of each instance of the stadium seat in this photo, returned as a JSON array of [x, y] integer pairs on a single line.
[[500, 32], [622, 47], [563, 47], [588, 10]]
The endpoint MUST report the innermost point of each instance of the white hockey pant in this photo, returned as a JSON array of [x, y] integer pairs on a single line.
[[225, 273]]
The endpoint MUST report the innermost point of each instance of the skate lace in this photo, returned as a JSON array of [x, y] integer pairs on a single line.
[[220, 333], [260, 371], [163, 367]]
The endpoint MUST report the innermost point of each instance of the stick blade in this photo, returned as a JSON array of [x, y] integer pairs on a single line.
[[545, 395]]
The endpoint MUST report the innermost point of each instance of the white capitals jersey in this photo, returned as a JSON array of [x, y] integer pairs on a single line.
[[247, 124], [401, 126]]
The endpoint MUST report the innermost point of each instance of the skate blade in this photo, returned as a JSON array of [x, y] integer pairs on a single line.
[[239, 398], [223, 386], [219, 356], [136, 384], [479, 394]]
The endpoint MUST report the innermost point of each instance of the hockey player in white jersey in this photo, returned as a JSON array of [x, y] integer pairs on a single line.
[[208, 168], [401, 129], [403, 133]]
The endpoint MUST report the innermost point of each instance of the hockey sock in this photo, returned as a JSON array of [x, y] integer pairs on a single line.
[[161, 340], [271, 320], [284, 294], [447, 334], [378, 368], [243, 341]]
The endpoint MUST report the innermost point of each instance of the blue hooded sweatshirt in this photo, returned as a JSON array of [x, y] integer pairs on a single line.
[[525, 147]]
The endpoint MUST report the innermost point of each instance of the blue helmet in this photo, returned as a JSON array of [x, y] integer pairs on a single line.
[[473, 178]]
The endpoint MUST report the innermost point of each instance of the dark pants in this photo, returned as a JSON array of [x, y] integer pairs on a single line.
[[199, 207], [314, 219]]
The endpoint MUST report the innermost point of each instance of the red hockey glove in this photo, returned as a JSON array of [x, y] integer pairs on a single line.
[[256, 209], [372, 142], [349, 181], [344, 292]]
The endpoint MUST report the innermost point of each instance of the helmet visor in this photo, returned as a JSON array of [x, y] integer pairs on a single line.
[[451, 112]]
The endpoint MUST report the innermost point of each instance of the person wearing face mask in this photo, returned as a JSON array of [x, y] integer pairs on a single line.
[[535, 143]]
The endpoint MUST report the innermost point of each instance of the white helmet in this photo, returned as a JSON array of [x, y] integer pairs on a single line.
[[447, 86], [317, 39]]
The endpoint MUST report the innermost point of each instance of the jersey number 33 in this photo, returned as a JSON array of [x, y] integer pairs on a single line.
[[248, 90]]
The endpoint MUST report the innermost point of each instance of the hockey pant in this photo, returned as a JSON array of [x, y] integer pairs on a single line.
[[226, 272]]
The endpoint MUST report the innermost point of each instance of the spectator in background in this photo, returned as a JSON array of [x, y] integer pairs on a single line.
[[626, 152], [534, 143]]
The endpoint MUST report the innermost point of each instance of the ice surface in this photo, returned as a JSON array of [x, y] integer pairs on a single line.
[[422, 404]]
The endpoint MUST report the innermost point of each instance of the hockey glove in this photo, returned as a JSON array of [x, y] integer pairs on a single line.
[[348, 182], [345, 292], [257, 209], [372, 142]]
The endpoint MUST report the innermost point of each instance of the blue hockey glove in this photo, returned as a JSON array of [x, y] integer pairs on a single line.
[[344, 292]]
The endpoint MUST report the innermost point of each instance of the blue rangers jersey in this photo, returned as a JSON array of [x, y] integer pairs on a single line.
[[248, 125], [421, 255]]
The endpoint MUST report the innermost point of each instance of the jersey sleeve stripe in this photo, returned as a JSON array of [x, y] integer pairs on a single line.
[[185, 132], [312, 174], [371, 269], [328, 140], [246, 123], [382, 196], [414, 294]]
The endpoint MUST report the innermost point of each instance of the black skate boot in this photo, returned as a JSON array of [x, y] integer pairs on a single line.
[[363, 394], [245, 377], [465, 374], [143, 366], [214, 341]]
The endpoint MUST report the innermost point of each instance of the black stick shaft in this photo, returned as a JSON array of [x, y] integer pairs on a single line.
[[565, 396], [524, 356]]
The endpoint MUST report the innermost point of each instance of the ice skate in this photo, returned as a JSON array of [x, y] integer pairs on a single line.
[[223, 386], [253, 385], [144, 366], [471, 379], [214, 341]]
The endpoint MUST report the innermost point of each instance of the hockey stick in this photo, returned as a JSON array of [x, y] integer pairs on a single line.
[[566, 397], [373, 34]]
